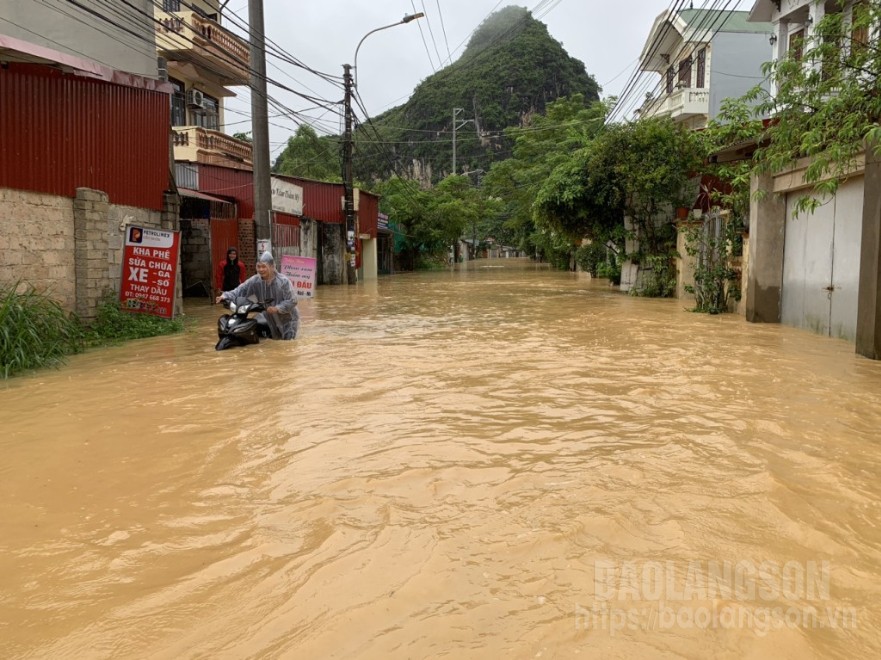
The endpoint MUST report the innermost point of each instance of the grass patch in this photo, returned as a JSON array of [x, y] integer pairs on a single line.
[[114, 325], [36, 331]]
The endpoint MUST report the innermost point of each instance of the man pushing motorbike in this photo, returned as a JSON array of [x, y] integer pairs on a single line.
[[276, 293]]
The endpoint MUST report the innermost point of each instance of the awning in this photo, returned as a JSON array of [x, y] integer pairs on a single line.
[[186, 192]]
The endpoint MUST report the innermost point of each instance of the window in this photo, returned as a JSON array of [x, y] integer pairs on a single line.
[[797, 44], [685, 73], [671, 76], [859, 33], [701, 68], [170, 5], [178, 103], [207, 117]]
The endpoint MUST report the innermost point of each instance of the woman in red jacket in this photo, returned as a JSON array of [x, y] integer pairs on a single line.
[[230, 271]]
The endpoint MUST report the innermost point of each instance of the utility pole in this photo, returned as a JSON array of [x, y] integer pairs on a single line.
[[456, 126], [348, 186], [259, 124]]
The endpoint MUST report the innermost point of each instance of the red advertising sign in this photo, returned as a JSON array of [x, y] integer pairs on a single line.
[[301, 272], [149, 271]]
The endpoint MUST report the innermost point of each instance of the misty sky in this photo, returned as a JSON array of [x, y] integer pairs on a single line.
[[606, 36]]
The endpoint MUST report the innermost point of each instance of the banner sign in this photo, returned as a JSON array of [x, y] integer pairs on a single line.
[[382, 221], [301, 272], [149, 271], [286, 197]]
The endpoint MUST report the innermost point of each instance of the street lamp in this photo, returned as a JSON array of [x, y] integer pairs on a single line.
[[407, 18], [348, 149]]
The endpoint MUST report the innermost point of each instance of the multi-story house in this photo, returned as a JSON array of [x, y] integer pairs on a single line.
[[703, 56], [793, 22], [203, 60], [816, 270]]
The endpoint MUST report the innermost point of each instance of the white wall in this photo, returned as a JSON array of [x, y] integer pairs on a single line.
[[64, 27]]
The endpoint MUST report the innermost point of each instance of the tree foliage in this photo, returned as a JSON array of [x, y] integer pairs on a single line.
[[642, 171], [310, 156], [827, 102], [542, 144]]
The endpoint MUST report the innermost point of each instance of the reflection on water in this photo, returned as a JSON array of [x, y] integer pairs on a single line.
[[501, 462]]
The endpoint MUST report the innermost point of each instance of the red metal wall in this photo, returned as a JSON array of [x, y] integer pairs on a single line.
[[228, 182], [368, 213], [59, 132], [321, 200]]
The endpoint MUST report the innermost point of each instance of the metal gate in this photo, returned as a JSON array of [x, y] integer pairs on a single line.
[[821, 264], [285, 239]]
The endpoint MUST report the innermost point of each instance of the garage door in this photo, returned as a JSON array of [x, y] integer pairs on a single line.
[[821, 264]]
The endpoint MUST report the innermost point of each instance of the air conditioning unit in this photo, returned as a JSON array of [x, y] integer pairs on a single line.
[[195, 99]]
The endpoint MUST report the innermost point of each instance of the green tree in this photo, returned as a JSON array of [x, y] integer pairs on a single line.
[[310, 156], [642, 171], [545, 142]]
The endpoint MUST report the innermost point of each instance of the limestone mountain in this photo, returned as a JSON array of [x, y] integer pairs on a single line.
[[511, 68]]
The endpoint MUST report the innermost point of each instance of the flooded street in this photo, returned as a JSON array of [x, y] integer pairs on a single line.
[[504, 462]]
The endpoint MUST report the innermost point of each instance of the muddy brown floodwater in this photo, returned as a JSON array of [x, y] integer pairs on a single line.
[[504, 462]]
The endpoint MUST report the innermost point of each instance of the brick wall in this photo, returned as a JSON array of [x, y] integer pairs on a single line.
[[37, 243], [196, 257], [70, 248], [248, 244]]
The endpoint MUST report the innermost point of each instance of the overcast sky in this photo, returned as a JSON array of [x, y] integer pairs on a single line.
[[606, 36]]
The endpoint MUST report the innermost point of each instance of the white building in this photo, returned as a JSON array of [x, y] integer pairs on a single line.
[[703, 56]]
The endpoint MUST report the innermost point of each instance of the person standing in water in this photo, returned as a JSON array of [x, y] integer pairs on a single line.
[[276, 293], [230, 271]]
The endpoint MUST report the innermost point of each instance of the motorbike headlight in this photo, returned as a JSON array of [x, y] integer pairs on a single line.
[[232, 307]]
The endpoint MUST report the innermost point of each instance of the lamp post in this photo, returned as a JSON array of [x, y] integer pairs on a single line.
[[407, 18], [348, 149]]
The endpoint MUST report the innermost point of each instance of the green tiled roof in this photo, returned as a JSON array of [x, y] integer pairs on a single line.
[[736, 20]]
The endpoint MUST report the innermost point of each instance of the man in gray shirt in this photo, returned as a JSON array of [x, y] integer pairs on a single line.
[[274, 289]]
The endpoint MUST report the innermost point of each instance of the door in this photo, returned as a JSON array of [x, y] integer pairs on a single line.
[[821, 263], [224, 234]]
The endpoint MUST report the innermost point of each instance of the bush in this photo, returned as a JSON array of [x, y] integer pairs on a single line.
[[599, 260], [35, 331], [659, 277]]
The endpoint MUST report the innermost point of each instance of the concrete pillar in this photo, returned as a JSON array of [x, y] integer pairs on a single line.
[[368, 260], [91, 250], [331, 259], [766, 235], [868, 332]]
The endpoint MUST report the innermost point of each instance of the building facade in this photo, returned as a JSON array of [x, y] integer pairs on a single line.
[[702, 57]]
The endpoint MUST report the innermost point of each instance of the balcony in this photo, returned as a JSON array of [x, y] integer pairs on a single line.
[[680, 105], [187, 36], [201, 145]]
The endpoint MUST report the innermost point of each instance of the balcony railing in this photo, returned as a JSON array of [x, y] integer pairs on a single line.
[[680, 104], [191, 36], [201, 145]]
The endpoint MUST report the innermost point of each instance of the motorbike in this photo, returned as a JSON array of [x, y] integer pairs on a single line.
[[245, 323]]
